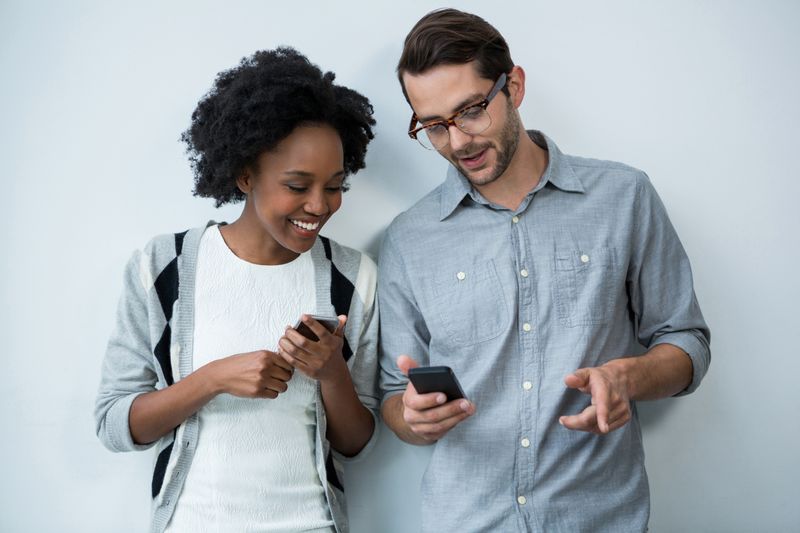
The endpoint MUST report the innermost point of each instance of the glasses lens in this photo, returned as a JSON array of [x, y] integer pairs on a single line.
[[422, 138], [473, 120], [434, 137]]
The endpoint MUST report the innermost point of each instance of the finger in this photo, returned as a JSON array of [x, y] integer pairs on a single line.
[[279, 361], [339, 331], [318, 329], [621, 414], [578, 379], [439, 413], [267, 394], [294, 361], [404, 363], [436, 430], [420, 402], [278, 372], [276, 385], [618, 423], [298, 340], [290, 349], [601, 398], [586, 420]]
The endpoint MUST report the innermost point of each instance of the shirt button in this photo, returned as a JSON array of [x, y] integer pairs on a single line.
[[515, 219], [527, 385], [461, 276], [522, 500], [523, 273], [526, 326], [584, 258], [525, 443]]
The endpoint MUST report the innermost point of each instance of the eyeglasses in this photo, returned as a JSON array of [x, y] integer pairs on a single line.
[[471, 120]]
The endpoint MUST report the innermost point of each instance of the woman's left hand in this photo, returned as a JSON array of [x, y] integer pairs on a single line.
[[321, 360]]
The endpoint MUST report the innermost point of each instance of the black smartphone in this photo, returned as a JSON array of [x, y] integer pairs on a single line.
[[436, 379], [329, 322]]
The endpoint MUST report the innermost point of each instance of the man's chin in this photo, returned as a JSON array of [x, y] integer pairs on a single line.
[[478, 178]]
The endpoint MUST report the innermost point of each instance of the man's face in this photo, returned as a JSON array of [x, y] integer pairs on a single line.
[[441, 92]]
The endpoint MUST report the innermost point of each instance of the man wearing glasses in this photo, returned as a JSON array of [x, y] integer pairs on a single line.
[[554, 286]]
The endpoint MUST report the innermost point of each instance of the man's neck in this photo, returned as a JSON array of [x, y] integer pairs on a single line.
[[521, 177]]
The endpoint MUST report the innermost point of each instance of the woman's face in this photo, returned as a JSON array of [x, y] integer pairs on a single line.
[[296, 188]]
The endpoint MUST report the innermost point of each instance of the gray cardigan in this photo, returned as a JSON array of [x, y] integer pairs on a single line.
[[151, 348]]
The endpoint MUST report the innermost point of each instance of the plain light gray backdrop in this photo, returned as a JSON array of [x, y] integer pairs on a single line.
[[703, 95]]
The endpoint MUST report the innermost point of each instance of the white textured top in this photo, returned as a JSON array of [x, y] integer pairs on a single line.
[[253, 469]]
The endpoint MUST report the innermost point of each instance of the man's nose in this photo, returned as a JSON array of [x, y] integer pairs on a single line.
[[458, 139]]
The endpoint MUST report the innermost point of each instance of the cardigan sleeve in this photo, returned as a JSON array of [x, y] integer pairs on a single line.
[[364, 362], [128, 367]]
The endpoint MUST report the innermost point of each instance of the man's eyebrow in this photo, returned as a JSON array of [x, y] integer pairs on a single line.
[[466, 102]]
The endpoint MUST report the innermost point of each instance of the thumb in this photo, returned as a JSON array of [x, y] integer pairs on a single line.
[[339, 331], [578, 379], [404, 363]]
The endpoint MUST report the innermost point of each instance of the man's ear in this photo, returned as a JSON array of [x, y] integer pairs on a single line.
[[516, 85]]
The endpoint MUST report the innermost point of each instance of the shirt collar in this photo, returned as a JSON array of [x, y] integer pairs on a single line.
[[559, 173]]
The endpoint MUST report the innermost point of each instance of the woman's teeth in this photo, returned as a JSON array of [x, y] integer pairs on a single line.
[[310, 226]]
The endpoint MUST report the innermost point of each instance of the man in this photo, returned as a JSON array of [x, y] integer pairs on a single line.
[[554, 286]]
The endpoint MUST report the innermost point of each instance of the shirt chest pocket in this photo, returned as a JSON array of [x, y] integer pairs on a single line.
[[587, 284], [468, 304]]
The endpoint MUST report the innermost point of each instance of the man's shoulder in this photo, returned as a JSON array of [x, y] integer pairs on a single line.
[[601, 172], [425, 211]]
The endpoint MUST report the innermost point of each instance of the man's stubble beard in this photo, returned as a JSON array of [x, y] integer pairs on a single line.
[[509, 141]]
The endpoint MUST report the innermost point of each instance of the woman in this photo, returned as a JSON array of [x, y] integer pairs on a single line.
[[245, 412]]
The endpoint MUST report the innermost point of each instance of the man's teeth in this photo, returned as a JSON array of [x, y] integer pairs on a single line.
[[310, 226]]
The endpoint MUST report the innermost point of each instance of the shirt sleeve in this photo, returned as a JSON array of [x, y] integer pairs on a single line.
[[660, 286], [128, 367], [403, 328]]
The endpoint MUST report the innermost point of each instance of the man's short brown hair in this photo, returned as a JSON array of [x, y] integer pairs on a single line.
[[452, 37]]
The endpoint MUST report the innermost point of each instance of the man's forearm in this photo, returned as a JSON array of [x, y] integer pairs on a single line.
[[664, 371]]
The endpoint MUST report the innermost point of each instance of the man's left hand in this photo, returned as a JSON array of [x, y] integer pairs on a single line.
[[611, 406]]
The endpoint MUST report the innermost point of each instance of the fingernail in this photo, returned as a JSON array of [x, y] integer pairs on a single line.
[[465, 405], [561, 420], [441, 399]]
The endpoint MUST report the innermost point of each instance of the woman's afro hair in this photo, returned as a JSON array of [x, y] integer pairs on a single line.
[[258, 103]]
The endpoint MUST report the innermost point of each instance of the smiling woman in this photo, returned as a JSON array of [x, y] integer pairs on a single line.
[[294, 189], [201, 364]]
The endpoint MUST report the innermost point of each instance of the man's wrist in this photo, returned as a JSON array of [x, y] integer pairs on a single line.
[[623, 371]]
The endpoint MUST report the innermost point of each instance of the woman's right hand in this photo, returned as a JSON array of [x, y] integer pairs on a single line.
[[259, 374]]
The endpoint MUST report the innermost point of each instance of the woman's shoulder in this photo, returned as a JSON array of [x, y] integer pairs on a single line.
[[342, 255], [158, 252], [166, 244]]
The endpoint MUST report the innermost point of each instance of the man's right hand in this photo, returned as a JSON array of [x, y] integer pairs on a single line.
[[429, 416]]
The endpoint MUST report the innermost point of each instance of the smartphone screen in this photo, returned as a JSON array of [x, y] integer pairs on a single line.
[[436, 379]]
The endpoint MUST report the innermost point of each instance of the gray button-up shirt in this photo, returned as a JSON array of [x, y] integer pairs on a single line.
[[587, 269]]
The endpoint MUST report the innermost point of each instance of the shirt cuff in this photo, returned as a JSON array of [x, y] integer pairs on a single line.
[[697, 350]]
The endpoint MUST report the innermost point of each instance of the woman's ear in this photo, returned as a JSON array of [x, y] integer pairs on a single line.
[[245, 181]]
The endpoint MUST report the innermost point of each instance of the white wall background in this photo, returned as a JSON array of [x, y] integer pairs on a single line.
[[701, 94]]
